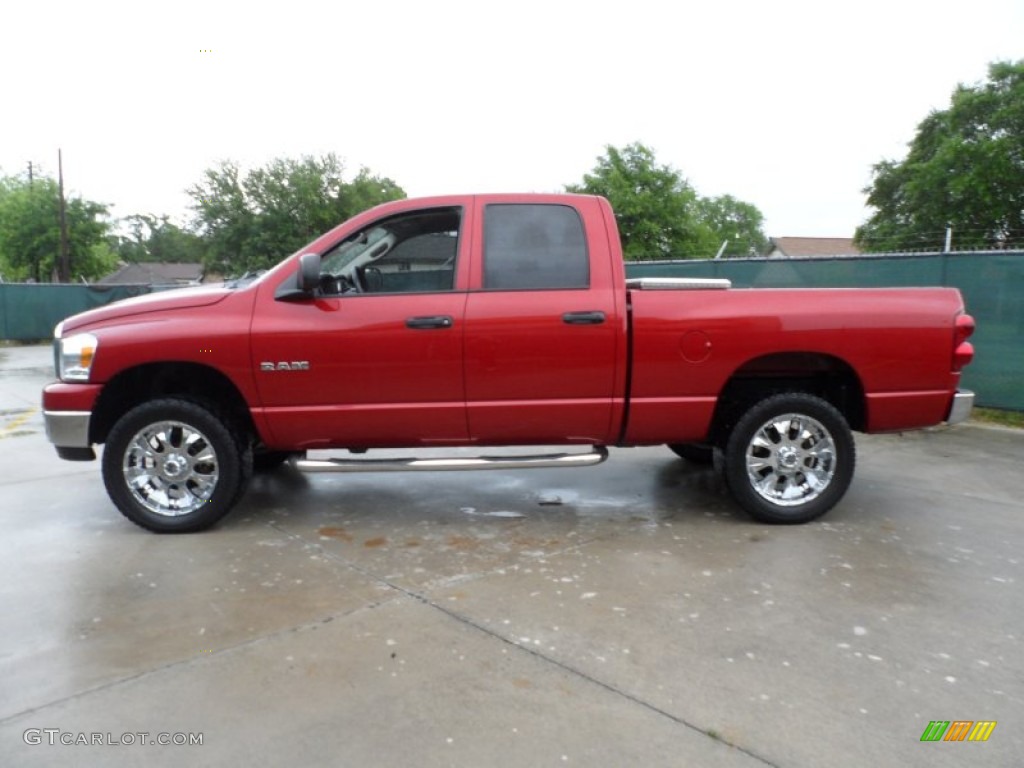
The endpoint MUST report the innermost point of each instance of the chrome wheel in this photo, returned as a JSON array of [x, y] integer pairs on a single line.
[[791, 459], [170, 468], [174, 465]]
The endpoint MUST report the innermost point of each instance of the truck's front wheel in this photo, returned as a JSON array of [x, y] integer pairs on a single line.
[[173, 466], [790, 458]]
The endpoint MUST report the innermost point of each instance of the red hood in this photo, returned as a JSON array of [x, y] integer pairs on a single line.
[[180, 298]]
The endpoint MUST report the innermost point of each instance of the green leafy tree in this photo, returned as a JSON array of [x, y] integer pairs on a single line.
[[740, 225], [656, 208], [964, 168], [151, 238], [253, 220], [30, 232], [661, 216]]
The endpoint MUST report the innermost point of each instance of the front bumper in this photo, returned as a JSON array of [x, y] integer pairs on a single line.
[[69, 432], [67, 413], [960, 408]]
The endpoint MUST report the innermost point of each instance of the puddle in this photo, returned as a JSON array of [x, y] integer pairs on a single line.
[[506, 513]]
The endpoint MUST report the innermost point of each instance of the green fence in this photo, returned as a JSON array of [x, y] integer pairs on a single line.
[[992, 285], [28, 312]]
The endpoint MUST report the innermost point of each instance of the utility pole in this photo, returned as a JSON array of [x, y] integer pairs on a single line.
[[30, 174], [64, 270]]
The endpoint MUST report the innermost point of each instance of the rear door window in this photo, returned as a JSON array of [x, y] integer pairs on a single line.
[[534, 247]]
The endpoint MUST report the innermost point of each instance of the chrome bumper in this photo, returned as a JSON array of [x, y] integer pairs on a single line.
[[960, 410], [68, 429]]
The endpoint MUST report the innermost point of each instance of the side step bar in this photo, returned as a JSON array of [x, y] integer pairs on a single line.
[[455, 463]]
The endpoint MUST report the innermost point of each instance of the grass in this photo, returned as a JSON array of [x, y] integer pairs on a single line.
[[997, 416]]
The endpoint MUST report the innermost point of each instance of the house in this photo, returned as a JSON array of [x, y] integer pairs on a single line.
[[805, 247], [153, 273]]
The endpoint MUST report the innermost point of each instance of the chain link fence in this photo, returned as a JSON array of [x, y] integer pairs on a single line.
[[29, 311]]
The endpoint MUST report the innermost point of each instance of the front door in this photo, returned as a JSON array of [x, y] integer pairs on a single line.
[[378, 350]]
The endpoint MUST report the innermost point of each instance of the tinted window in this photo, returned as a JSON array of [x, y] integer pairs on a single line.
[[534, 246]]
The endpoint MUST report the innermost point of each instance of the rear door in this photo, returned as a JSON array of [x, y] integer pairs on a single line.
[[542, 327]]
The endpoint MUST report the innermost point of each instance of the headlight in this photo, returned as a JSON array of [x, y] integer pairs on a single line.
[[75, 355]]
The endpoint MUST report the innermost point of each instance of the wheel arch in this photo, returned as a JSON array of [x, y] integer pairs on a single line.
[[150, 381], [815, 373]]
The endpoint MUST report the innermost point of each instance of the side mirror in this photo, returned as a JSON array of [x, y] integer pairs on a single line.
[[309, 272], [306, 279]]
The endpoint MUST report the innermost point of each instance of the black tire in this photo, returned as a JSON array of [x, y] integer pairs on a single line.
[[695, 453], [268, 461], [189, 466], [790, 458]]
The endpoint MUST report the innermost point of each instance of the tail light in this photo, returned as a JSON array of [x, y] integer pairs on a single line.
[[963, 350]]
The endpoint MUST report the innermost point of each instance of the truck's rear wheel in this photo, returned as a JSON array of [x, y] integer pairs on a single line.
[[173, 466], [790, 458]]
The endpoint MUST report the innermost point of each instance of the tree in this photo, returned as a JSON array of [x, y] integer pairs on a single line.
[[655, 207], [661, 216], [964, 168], [740, 225], [152, 238], [253, 220], [30, 231]]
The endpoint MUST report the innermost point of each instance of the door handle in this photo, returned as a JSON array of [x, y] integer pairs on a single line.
[[429, 321], [583, 318]]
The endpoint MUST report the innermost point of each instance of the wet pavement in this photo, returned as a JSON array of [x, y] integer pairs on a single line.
[[627, 614]]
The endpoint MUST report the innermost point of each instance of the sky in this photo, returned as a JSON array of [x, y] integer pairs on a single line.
[[784, 104]]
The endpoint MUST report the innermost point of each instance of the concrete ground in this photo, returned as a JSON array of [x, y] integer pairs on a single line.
[[627, 614]]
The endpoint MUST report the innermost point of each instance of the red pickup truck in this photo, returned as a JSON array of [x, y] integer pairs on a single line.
[[493, 320]]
